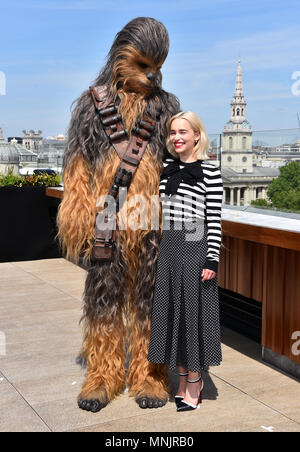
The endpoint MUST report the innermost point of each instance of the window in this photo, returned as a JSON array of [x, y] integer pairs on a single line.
[[244, 143], [230, 142]]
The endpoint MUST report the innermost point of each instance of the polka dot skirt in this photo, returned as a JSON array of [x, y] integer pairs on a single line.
[[185, 326]]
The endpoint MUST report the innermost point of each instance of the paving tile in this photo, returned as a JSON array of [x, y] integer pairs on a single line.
[[36, 299], [230, 414], [122, 407], [262, 382], [14, 280], [52, 388], [65, 415], [45, 264], [44, 322], [8, 272], [59, 273], [16, 415], [30, 343], [32, 290], [52, 269], [40, 309], [124, 413], [283, 398], [280, 427], [47, 363]]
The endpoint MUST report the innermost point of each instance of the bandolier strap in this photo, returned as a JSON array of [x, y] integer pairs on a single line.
[[130, 152]]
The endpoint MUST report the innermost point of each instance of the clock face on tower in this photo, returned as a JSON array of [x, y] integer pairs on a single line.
[[244, 124]]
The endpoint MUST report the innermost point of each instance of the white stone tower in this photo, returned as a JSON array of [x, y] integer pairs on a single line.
[[32, 141], [237, 135]]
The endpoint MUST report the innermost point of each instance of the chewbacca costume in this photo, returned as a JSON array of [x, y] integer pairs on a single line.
[[118, 294]]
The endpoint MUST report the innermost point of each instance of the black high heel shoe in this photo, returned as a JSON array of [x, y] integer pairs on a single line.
[[184, 406], [177, 398]]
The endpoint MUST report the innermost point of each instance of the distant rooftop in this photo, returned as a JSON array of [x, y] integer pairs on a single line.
[[8, 152], [258, 171]]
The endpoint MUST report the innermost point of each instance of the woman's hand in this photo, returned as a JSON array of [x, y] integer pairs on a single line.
[[207, 274]]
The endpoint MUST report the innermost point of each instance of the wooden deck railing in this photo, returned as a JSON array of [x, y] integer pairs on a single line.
[[263, 264]]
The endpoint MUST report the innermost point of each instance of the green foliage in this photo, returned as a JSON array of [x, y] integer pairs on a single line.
[[43, 180], [284, 192], [260, 202]]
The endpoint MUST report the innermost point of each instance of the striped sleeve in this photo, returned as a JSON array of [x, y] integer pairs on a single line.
[[213, 210]]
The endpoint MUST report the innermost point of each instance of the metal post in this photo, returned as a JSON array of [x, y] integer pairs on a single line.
[[220, 159]]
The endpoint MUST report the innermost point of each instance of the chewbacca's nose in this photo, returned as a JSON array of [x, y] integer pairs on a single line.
[[151, 76]]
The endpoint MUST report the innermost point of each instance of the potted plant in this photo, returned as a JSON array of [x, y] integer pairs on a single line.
[[27, 231]]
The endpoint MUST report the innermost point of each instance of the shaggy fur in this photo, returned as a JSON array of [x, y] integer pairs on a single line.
[[118, 295]]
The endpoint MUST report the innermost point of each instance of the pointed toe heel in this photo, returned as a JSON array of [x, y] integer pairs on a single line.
[[185, 406], [178, 400]]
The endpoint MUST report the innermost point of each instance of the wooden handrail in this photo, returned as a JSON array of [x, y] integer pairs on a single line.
[[261, 234], [54, 193]]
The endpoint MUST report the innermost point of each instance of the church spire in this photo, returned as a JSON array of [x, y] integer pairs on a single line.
[[238, 103], [237, 135], [238, 83]]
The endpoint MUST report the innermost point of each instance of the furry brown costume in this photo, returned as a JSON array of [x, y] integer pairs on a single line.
[[118, 295]]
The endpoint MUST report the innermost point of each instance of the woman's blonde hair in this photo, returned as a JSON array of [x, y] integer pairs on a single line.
[[197, 125]]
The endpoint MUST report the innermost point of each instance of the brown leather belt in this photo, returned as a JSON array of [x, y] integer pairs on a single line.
[[130, 153]]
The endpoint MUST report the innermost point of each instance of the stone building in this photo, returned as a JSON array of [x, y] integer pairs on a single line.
[[31, 140], [243, 180], [15, 157], [9, 156]]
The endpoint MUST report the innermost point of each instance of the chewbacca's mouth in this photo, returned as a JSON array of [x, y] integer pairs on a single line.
[[149, 86]]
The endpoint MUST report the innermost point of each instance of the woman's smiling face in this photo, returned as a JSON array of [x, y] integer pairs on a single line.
[[183, 137]]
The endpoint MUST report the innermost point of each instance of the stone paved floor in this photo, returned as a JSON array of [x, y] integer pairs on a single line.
[[40, 307]]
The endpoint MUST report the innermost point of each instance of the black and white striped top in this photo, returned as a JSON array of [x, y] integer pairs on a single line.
[[202, 201]]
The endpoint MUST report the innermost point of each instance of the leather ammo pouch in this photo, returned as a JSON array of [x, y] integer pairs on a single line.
[[130, 153]]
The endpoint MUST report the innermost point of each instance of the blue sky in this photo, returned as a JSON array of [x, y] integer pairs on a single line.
[[52, 50]]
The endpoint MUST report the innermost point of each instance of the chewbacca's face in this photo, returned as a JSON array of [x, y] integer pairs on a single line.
[[137, 73]]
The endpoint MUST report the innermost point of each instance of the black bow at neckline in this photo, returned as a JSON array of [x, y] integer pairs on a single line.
[[190, 174]]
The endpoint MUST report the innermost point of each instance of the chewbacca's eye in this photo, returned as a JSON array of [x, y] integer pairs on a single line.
[[143, 65]]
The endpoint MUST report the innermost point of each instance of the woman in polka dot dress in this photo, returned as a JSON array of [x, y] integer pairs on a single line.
[[185, 328]]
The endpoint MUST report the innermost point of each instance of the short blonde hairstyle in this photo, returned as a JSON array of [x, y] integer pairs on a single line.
[[197, 125]]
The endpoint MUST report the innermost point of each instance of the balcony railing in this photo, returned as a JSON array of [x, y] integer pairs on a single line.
[[260, 260], [280, 143]]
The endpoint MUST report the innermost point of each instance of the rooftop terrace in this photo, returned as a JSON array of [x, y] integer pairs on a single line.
[[40, 308]]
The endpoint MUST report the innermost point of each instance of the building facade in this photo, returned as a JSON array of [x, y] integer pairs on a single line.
[[243, 180], [9, 156], [31, 140]]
